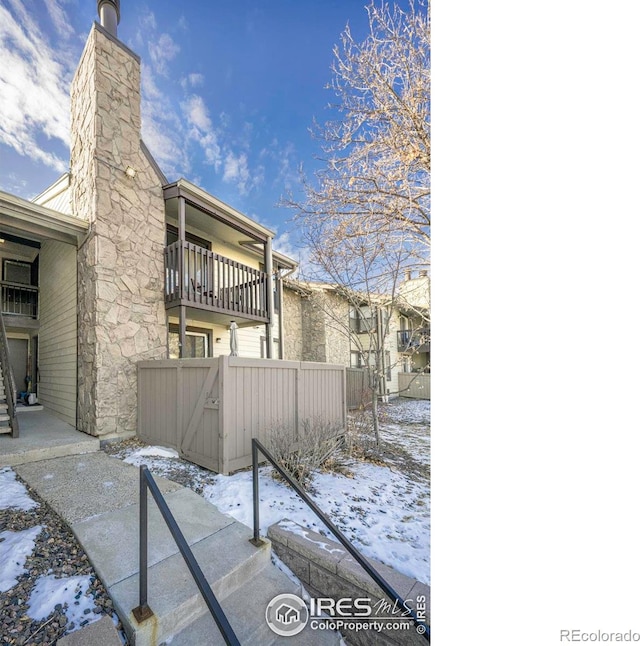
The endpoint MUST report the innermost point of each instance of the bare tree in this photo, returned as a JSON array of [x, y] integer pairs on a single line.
[[366, 218], [357, 288], [378, 151]]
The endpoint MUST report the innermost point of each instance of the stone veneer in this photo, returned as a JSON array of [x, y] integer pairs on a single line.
[[313, 334], [121, 314]]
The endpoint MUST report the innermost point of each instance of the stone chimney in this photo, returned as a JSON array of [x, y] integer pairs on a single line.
[[115, 187], [109, 12]]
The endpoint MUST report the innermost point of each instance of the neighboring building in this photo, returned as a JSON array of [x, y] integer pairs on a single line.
[[114, 264], [322, 325]]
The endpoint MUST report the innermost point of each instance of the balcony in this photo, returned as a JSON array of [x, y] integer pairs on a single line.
[[19, 299], [196, 277], [414, 340]]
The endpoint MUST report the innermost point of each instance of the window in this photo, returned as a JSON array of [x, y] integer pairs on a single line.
[[263, 348], [197, 343], [387, 361], [362, 319], [356, 359], [15, 271]]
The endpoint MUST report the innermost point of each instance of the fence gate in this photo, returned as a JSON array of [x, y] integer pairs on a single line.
[[200, 413]]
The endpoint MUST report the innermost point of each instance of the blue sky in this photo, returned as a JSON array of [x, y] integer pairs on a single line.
[[229, 89]]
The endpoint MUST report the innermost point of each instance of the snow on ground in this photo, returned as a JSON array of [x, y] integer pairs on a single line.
[[15, 548], [13, 494], [137, 457], [406, 423], [384, 510], [72, 591]]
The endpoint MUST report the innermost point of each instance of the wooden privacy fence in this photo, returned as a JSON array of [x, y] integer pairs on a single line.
[[210, 409], [415, 385], [357, 383]]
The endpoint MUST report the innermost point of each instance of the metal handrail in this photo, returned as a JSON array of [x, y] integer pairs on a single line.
[[8, 379], [256, 446], [143, 611]]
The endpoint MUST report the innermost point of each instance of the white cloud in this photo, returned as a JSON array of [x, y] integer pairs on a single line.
[[201, 129], [34, 87], [236, 171], [161, 51], [59, 19], [285, 244], [196, 112], [192, 80], [162, 129]]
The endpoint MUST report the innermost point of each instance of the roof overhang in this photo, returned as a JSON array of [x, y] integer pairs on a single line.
[[25, 219], [217, 208]]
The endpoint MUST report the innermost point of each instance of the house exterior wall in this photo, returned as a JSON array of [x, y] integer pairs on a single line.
[[316, 329], [58, 333], [335, 311], [121, 314]]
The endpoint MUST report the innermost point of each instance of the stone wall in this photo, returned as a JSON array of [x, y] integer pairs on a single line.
[[327, 570], [336, 320], [312, 327], [292, 324], [121, 315]]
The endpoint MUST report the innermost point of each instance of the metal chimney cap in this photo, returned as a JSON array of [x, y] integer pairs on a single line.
[[113, 3]]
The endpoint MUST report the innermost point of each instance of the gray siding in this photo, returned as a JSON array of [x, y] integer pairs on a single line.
[[58, 335]]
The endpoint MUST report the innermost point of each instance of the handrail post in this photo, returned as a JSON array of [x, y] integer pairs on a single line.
[[143, 612], [256, 540], [423, 629]]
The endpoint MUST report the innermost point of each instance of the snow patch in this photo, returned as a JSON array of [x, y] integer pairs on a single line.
[[13, 494], [382, 512], [15, 547], [136, 458], [296, 529], [72, 591]]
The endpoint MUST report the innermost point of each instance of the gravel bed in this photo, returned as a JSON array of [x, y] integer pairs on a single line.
[[57, 553]]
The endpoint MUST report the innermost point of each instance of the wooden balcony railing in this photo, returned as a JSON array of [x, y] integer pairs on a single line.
[[19, 299], [197, 277]]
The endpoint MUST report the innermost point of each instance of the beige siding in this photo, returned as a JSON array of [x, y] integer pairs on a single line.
[[57, 338]]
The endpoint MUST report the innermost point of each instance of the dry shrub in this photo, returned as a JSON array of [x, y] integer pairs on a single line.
[[303, 453], [360, 440]]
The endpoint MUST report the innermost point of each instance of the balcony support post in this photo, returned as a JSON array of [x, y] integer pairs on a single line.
[[182, 235], [268, 264]]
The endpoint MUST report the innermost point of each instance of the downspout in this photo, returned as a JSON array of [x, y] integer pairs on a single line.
[[280, 317]]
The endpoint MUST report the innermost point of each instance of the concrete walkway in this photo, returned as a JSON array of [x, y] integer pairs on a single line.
[[97, 495], [43, 436]]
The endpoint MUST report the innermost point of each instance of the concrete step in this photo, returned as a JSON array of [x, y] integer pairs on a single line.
[[5, 429], [245, 609], [4, 406], [220, 545], [4, 418]]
